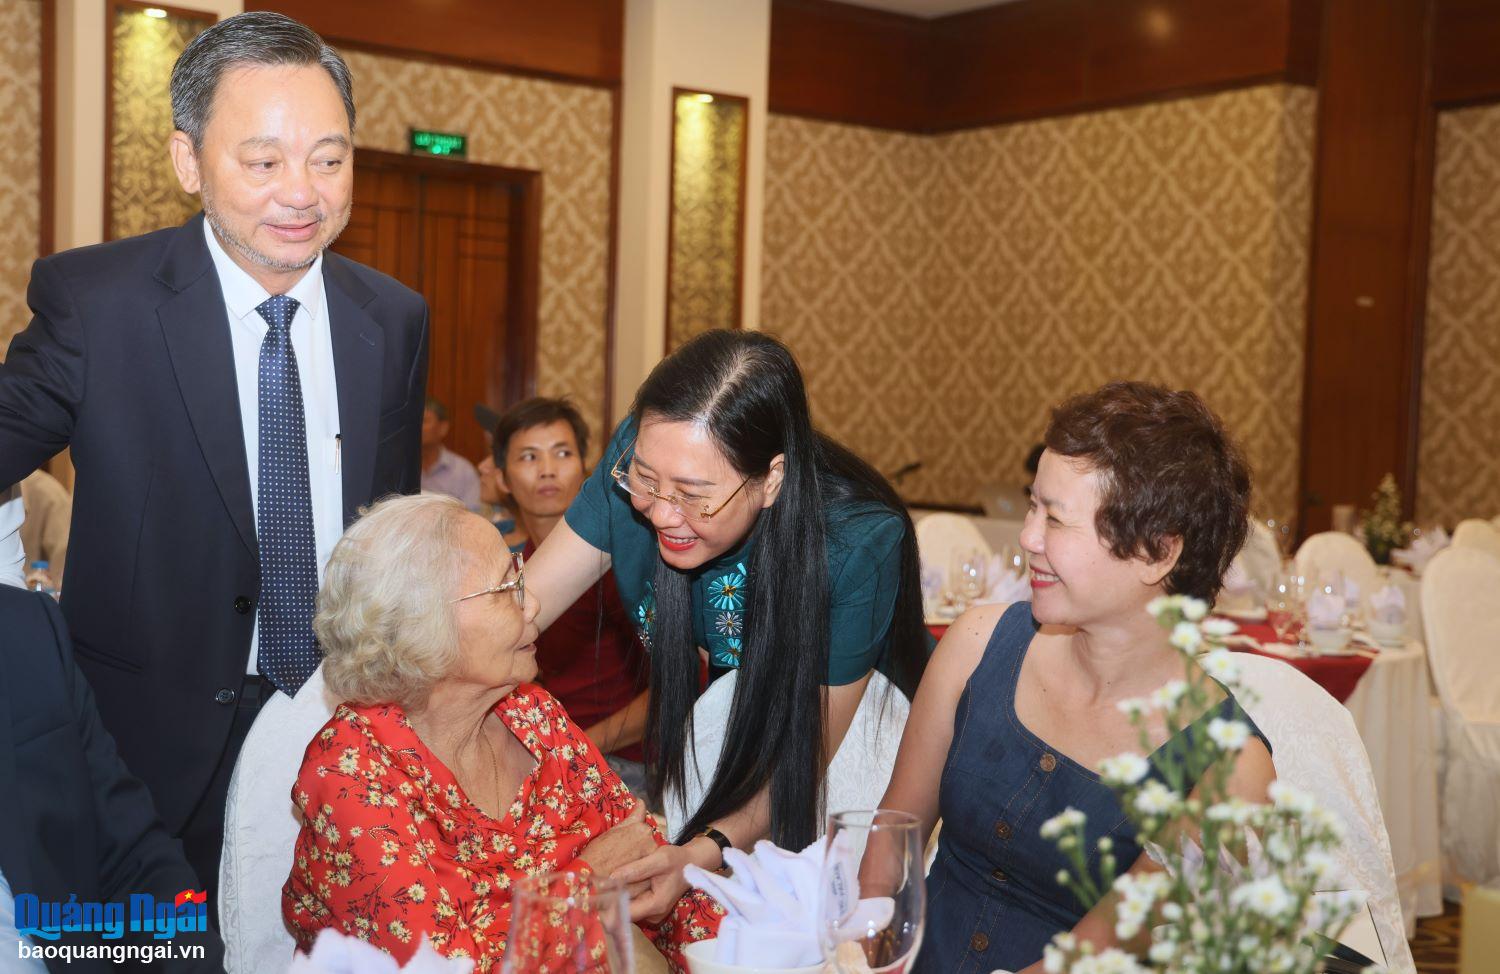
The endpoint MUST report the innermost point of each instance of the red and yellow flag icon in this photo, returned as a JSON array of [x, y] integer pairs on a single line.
[[191, 896]]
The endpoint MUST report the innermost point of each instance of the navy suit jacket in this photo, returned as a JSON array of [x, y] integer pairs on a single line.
[[73, 821], [127, 360]]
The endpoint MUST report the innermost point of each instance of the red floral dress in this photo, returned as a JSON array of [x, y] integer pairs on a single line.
[[391, 848]]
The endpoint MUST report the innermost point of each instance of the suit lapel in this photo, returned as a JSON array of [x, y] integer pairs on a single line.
[[15, 863], [196, 328], [358, 356]]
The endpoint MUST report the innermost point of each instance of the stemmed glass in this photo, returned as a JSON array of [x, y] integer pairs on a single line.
[[569, 923], [1286, 605], [1013, 559], [873, 903], [969, 573]]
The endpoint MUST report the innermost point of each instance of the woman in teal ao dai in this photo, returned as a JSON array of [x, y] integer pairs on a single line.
[[740, 537], [1140, 493]]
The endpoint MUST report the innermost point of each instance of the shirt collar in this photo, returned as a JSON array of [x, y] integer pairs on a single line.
[[243, 294]]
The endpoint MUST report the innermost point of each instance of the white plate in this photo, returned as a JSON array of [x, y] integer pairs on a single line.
[[1258, 614]]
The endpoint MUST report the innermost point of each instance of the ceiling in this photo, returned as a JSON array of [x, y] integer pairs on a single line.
[[926, 8]]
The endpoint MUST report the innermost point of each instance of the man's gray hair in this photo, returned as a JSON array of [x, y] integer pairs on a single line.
[[256, 38]]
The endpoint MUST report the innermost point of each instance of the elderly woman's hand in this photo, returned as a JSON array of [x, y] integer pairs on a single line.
[[625, 842]]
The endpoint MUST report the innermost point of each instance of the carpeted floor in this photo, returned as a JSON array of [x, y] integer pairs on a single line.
[[1435, 947]]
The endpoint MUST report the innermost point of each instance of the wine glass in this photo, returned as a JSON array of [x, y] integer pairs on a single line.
[[569, 923], [1013, 560], [873, 902], [969, 576]]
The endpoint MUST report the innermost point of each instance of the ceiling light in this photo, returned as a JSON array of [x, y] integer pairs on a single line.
[[156, 12]]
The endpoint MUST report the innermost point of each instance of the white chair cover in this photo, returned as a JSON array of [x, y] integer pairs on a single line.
[[942, 535], [1315, 747], [1461, 607], [1260, 558], [261, 826], [1334, 551], [857, 775], [1479, 535]]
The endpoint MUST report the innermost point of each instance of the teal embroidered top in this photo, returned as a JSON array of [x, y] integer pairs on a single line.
[[864, 561]]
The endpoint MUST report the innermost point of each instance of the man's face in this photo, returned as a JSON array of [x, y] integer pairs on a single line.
[[543, 470], [276, 168], [434, 430]]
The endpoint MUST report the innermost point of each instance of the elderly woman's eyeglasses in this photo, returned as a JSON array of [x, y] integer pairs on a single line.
[[516, 586], [692, 508]]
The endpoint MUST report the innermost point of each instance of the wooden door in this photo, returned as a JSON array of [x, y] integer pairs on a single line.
[[465, 237]]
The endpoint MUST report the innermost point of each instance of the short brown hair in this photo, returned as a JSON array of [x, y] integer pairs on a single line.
[[1167, 469], [537, 411]]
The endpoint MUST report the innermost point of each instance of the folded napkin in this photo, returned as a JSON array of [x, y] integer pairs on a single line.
[[334, 953], [1389, 605], [1325, 610], [772, 903], [1008, 586], [1351, 595], [1237, 581], [1420, 551]]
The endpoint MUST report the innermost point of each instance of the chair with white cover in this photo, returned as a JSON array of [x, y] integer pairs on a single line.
[[1315, 747], [1479, 535], [1260, 558], [1461, 610], [942, 535], [1335, 551], [261, 825], [857, 776]]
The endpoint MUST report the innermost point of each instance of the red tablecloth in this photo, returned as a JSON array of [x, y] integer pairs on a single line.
[[1337, 674]]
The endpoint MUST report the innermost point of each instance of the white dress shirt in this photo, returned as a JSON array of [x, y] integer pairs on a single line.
[[312, 343], [12, 554]]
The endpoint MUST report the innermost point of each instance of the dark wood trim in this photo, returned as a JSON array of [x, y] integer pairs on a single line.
[[739, 270], [47, 174], [1465, 37], [456, 61], [578, 41], [612, 269], [111, 11], [1419, 262]]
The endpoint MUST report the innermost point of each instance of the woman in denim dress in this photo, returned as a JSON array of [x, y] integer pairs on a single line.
[[1140, 493]]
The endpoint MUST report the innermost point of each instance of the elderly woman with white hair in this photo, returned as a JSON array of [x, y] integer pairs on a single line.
[[446, 775]]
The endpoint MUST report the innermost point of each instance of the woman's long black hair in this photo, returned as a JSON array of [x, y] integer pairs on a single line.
[[745, 388]]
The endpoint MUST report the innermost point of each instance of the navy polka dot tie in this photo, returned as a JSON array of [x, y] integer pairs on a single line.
[[284, 524]]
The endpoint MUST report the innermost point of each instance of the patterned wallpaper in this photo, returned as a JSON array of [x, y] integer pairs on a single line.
[[20, 162], [563, 130], [144, 194], [944, 292], [707, 163], [1458, 467]]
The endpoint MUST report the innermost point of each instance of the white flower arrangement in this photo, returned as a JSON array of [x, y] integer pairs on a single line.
[[1235, 891]]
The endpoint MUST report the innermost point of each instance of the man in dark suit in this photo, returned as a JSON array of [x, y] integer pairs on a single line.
[[232, 394], [73, 821]]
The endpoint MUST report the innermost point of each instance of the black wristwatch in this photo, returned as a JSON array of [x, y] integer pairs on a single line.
[[719, 839]]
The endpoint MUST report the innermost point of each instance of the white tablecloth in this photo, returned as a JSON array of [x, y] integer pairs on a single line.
[[1390, 708]]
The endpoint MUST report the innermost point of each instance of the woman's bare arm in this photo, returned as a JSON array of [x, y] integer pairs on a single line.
[[560, 572]]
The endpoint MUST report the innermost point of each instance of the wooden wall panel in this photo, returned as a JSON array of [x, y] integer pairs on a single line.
[[1369, 254], [578, 40], [1027, 59], [842, 63], [1466, 38]]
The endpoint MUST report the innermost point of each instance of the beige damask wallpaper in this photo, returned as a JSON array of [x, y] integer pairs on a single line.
[[20, 160], [1458, 467], [943, 292], [144, 194], [563, 130]]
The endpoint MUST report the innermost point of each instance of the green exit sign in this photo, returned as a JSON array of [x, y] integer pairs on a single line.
[[449, 144]]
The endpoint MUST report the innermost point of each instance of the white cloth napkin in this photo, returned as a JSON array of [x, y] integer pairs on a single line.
[[1351, 595], [1237, 581], [334, 953], [1389, 605], [1325, 610], [771, 903], [1420, 552], [1007, 587]]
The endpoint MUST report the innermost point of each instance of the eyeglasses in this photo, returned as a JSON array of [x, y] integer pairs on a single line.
[[516, 586], [631, 483]]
